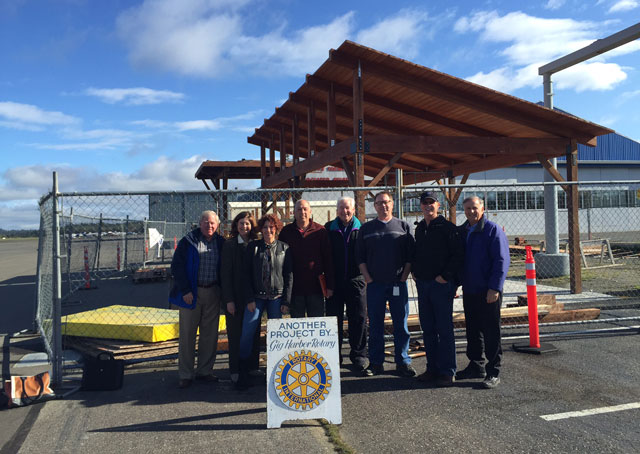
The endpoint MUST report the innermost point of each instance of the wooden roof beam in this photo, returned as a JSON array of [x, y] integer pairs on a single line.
[[442, 145], [330, 156], [387, 103], [436, 89]]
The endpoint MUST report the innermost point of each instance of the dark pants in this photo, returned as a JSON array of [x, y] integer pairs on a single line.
[[352, 294], [435, 302], [234, 332], [307, 306], [483, 331]]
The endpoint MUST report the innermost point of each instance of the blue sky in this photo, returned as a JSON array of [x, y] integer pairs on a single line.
[[134, 95]]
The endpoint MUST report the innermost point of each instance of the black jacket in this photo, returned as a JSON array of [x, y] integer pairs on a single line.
[[438, 251], [343, 251], [281, 272]]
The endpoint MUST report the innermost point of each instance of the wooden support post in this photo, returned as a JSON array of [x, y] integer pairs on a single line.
[[311, 129], [358, 133], [575, 271], [452, 203], [225, 206], [295, 148], [283, 149], [263, 163], [331, 116], [272, 156]]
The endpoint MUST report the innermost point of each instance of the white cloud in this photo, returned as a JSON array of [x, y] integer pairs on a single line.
[[198, 125], [213, 124], [209, 38], [135, 96], [623, 5], [21, 187], [533, 42], [554, 4], [30, 117], [398, 35], [274, 53], [93, 139]]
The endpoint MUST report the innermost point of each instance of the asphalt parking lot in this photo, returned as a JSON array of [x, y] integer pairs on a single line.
[[598, 372]]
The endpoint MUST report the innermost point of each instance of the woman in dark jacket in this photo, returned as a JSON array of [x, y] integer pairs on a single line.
[[243, 230], [268, 283]]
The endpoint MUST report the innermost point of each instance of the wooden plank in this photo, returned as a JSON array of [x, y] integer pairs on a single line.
[[385, 169], [575, 271]]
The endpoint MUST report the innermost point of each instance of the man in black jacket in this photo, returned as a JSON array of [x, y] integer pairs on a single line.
[[349, 283], [436, 267]]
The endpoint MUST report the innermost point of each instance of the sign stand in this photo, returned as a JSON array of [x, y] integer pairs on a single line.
[[303, 370]]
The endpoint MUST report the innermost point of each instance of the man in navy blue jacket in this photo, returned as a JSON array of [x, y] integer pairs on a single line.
[[196, 291], [485, 269], [349, 288]]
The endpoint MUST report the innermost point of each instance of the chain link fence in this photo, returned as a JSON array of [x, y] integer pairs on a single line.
[[116, 249]]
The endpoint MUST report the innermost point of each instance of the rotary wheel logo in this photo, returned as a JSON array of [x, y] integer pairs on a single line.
[[302, 380]]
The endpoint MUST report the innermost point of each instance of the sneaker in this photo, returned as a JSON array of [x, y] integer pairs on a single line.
[[406, 370], [490, 382], [373, 369], [427, 376], [184, 383], [445, 381], [471, 372]]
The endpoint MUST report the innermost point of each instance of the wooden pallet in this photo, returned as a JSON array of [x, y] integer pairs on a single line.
[[151, 274]]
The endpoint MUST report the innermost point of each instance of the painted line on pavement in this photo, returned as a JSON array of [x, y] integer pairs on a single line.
[[593, 411]]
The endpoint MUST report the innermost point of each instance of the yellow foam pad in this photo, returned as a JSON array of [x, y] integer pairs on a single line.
[[146, 324]]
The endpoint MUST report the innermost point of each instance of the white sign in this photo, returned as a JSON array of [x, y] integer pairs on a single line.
[[303, 370]]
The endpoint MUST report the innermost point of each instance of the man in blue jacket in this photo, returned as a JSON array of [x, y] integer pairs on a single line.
[[485, 269], [196, 291], [349, 288]]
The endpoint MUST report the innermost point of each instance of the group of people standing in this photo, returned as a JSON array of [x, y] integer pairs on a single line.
[[310, 270]]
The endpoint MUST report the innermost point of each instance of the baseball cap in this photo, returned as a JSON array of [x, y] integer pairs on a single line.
[[428, 195]]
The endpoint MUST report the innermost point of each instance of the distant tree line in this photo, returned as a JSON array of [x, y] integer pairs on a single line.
[[89, 227], [23, 233]]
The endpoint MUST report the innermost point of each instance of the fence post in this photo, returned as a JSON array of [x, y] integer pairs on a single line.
[[57, 290], [96, 264], [69, 245], [399, 183], [126, 241], [36, 306]]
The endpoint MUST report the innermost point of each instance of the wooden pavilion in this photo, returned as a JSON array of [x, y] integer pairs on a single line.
[[369, 112]]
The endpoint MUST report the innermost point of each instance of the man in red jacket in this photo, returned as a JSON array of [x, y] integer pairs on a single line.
[[311, 251]]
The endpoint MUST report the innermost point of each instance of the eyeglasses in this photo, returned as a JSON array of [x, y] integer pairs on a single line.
[[383, 202]]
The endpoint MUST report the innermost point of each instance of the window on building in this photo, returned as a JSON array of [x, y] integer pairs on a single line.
[[539, 195], [502, 200], [562, 199], [491, 201]]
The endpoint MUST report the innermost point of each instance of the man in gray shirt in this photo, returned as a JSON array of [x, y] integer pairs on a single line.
[[384, 252]]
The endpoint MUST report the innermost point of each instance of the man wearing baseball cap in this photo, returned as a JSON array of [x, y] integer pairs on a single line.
[[437, 263]]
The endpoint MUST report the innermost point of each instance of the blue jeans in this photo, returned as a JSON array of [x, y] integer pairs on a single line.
[[251, 320], [377, 296], [435, 302]]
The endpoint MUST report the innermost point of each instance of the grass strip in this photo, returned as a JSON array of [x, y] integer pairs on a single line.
[[333, 433]]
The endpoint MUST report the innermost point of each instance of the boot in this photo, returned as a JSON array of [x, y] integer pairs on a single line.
[[244, 381]]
